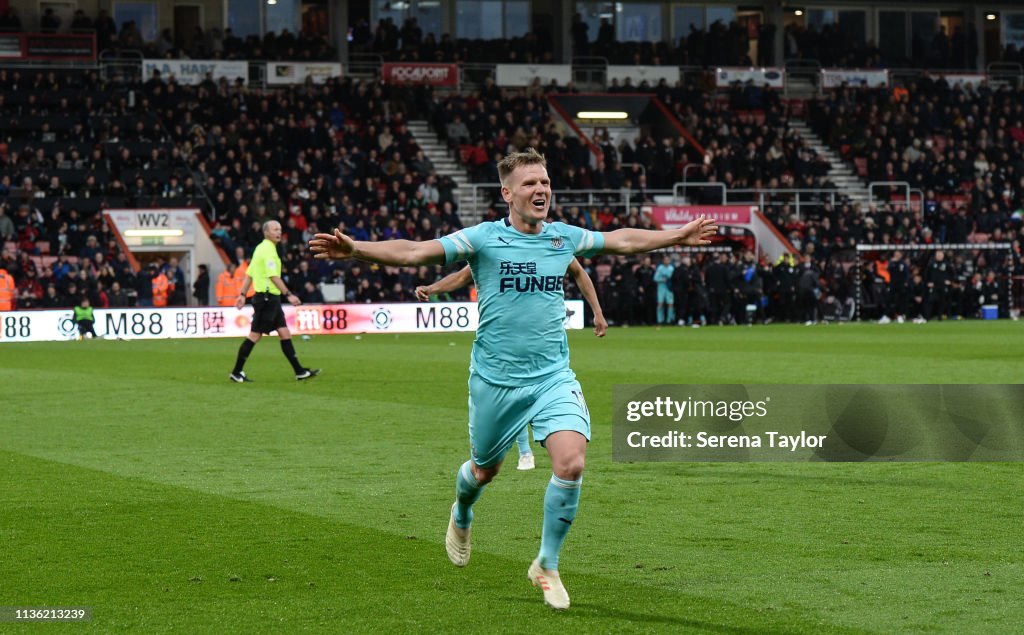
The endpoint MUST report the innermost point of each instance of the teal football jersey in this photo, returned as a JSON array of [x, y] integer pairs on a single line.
[[519, 277]]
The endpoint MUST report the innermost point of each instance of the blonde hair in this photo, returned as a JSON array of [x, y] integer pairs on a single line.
[[514, 160]]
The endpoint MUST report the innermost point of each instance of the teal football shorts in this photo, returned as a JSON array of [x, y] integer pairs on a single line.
[[497, 414]]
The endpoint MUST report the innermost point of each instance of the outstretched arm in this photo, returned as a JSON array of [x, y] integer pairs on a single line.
[[447, 284], [402, 253], [635, 241], [586, 286]]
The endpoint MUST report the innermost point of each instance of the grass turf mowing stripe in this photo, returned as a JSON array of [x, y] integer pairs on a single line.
[[202, 562]]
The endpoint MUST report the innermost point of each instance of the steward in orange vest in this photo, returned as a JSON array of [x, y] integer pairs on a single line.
[[240, 273], [6, 291], [228, 286], [161, 290]]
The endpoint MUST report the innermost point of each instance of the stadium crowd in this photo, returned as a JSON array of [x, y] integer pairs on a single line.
[[340, 154], [743, 141], [961, 142]]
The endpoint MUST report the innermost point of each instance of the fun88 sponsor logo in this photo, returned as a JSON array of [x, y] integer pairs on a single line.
[[522, 277]]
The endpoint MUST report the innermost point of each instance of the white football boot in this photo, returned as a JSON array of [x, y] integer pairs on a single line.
[[550, 582], [526, 462], [457, 542]]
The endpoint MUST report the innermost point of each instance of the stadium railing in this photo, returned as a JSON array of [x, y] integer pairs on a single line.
[[686, 171], [797, 197], [912, 196], [483, 195], [679, 189]]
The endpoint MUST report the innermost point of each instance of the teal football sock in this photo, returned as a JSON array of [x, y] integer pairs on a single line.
[[467, 490], [523, 441], [560, 503]]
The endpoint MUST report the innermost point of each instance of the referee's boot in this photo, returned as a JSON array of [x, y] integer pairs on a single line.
[[240, 377], [307, 373]]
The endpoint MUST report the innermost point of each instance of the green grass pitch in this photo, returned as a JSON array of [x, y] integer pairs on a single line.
[[137, 480]]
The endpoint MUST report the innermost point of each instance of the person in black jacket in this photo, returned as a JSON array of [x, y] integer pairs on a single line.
[[918, 293], [786, 276], [717, 277], [647, 299], [808, 291], [938, 279], [625, 291], [681, 290], [201, 287], [899, 280], [144, 285]]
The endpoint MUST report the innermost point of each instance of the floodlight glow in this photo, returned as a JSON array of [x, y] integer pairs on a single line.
[[600, 114], [991, 16], [153, 233], [798, 12]]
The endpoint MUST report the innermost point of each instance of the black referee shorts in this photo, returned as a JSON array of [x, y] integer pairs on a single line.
[[268, 315]]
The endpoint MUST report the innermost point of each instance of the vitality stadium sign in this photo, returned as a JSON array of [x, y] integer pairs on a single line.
[[675, 216], [432, 74]]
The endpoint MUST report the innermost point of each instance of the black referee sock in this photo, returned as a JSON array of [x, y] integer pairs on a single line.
[[289, 351], [243, 354]]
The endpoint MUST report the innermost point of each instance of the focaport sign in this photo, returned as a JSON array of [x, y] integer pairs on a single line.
[[433, 74]]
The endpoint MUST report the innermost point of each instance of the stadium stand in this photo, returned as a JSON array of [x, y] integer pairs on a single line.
[[946, 161]]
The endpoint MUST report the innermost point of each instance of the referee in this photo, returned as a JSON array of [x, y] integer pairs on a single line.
[[264, 276]]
